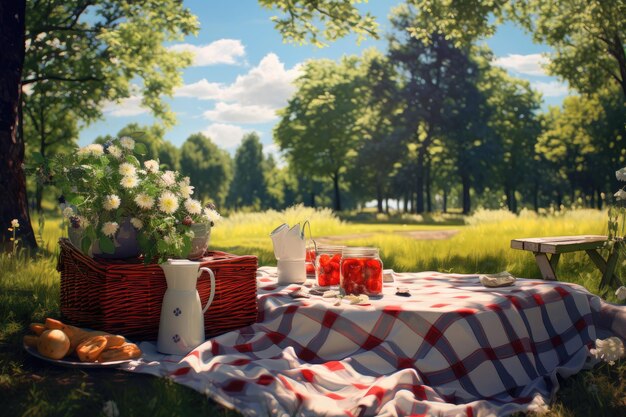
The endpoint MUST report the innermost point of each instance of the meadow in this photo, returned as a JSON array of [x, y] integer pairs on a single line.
[[29, 292]]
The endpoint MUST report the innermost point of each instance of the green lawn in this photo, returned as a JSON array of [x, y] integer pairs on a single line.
[[29, 292]]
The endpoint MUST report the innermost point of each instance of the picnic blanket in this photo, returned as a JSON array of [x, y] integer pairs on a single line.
[[453, 348]]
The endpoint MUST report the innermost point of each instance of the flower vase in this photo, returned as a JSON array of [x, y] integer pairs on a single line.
[[125, 241], [200, 241]]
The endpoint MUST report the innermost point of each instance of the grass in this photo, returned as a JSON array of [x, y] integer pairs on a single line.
[[29, 292]]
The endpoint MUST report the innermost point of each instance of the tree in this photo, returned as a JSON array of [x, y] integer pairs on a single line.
[[208, 167], [338, 18], [432, 72], [379, 146], [12, 180], [513, 108], [248, 188], [318, 129], [587, 36]]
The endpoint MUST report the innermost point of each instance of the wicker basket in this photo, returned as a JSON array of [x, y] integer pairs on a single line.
[[124, 297]]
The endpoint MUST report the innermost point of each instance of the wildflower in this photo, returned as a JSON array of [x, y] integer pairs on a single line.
[[110, 409], [127, 143], [151, 165], [15, 223], [186, 190], [212, 215], [94, 149], [609, 350], [621, 174], [110, 228], [168, 203], [68, 212], [168, 178], [129, 181], [193, 206], [111, 202], [621, 293], [127, 169], [115, 151], [144, 201], [620, 195], [137, 223]]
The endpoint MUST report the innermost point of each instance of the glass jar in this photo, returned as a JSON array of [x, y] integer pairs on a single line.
[[309, 261], [327, 265], [361, 271]]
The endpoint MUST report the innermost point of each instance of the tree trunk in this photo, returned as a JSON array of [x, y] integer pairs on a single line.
[[599, 198], [379, 194], [511, 200], [406, 203], [336, 190], [536, 196], [465, 180], [429, 202], [419, 183], [14, 204], [445, 201]]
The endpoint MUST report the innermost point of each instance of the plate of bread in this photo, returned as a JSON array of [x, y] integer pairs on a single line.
[[66, 345]]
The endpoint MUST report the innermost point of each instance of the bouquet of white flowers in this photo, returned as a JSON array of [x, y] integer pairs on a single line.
[[107, 186]]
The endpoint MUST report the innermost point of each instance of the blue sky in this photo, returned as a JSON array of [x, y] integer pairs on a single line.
[[243, 73]]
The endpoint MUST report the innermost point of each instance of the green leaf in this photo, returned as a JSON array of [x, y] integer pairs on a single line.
[[140, 148], [131, 159], [85, 244], [106, 244], [38, 157]]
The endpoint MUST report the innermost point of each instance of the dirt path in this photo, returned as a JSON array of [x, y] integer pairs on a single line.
[[414, 234]]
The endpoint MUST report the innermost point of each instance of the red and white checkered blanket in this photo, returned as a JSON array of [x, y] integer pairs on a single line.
[[453, 348]]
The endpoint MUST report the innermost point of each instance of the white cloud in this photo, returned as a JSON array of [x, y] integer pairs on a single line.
[[240, 113], [226, 135], [127, 107], [223, 51], [268, 85], [202, 90], [532, 64], [550, 88]]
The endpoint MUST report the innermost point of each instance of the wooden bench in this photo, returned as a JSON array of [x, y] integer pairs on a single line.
[[555, 246]]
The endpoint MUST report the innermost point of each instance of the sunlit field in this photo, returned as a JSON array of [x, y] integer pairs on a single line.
[[29, 292]]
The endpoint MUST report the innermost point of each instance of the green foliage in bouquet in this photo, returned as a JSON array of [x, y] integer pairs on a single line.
[[105, 185]]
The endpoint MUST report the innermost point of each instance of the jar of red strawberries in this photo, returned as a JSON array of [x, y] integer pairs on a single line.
[[361, 271], [327, 265]]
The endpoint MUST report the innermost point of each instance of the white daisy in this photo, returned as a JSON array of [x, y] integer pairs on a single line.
[[94, 149], [127, 169], [137, 223], [15, 223], [168, 203], [129, 181], [144, 201], [186, 190], [111, 202], [110, 228], [115, 151], [620, 195], [212, 215], [68, 212], [609, 350], [168, 178], [621, 174], [193, 206], [151, 165], [127, 143]]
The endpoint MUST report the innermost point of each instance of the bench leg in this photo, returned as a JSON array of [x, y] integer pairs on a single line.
[[547, 266], [607, 268]]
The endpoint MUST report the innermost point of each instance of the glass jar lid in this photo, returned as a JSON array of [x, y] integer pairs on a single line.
[[329, 249], [359, 252]]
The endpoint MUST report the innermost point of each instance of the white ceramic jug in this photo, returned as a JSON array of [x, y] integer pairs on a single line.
[[181, 328]]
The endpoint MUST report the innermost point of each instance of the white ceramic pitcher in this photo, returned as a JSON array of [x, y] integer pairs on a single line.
[[181, 328]]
